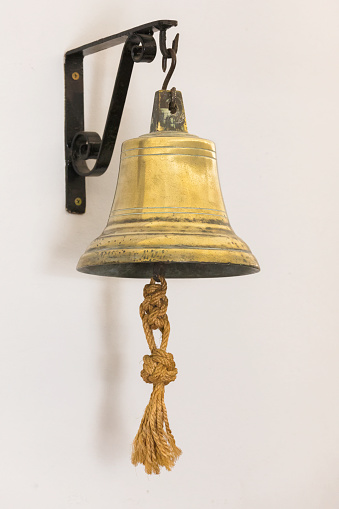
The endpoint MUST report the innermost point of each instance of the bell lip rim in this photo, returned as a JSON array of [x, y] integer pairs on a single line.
[[247, 269]]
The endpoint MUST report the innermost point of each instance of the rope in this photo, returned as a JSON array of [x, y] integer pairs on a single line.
[[154, 445]]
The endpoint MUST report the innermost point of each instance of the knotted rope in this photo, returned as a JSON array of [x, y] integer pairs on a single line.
[[154, 445]]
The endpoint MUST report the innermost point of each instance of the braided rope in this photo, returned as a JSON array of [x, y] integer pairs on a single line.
[[154, 445]]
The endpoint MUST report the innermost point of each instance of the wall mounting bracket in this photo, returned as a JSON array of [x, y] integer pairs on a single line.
[[80, 145]]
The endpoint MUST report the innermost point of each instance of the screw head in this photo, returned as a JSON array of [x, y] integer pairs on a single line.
[[78, 201], [75, 75]]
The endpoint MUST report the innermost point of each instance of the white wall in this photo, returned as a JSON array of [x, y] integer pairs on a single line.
[[255, 406]]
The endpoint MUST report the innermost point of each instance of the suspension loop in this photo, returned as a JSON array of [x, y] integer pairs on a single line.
[[173, 104]]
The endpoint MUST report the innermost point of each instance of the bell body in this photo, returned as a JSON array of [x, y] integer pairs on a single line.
[[168, 214]]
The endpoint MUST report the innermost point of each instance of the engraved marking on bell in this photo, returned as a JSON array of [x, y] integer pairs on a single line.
[[75, 76], [162, 248], [78, 201]]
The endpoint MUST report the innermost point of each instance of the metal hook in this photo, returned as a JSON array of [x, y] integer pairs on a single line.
[[168, 53], [171, 69], [162, 44]]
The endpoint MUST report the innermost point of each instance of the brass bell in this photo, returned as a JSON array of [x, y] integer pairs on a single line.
[[168, 214]]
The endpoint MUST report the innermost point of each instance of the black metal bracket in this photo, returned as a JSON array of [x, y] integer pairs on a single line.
[[80, 145]]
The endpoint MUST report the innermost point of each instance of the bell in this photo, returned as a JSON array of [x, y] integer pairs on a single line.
[[168, 216]]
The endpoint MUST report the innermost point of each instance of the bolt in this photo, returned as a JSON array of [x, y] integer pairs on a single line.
[[78, 201], [75, 75]]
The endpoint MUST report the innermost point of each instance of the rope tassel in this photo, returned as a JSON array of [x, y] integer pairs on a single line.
[[154, 445]]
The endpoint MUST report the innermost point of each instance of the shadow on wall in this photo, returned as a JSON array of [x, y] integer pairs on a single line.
[[73, 234], [110, 426], [104, 303]]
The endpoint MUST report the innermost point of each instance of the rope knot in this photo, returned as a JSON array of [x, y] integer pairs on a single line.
[[159, 368], [153, 309], [154, 445]]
